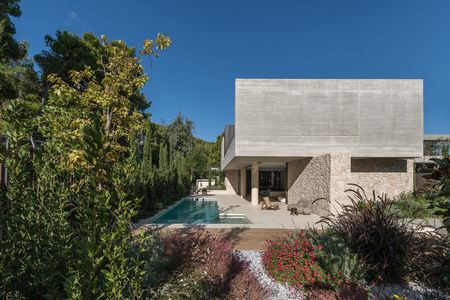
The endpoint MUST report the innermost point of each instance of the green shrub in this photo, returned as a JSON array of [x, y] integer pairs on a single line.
[[148, 249], [410, 205], [442, 175], [336, 258]]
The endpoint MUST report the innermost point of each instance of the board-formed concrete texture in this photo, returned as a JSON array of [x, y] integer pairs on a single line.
[[283, 118]]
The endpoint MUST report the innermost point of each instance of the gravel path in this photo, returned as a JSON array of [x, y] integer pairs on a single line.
[[279, 291]]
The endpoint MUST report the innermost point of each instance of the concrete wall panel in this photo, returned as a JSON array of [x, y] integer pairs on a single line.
[[299, 117]]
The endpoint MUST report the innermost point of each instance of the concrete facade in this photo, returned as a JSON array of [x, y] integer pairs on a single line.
[[232, 181], [243, 183], [329, 133]]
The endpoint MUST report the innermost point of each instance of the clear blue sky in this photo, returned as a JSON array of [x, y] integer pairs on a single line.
[[215, 42]]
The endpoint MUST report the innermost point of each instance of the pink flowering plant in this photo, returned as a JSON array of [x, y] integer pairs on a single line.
[[200, 265], [305, 261]]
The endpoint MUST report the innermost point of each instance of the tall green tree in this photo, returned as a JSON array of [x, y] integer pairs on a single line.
[[147, 177], [69, 52], [180, 134], [10, 49], [17, 76]]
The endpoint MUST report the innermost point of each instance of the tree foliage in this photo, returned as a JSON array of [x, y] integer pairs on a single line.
[[68, 52], [83, 159], [10, 49], [17, 77]]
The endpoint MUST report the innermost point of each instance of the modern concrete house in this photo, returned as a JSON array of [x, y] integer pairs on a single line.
[[307, 139]]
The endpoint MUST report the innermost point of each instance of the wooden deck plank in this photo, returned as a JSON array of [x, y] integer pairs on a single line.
[[243, 238], [248, 238]]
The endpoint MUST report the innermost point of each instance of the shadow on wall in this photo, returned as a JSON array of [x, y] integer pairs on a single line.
[[232, 180], [381, 165], [295, 172]]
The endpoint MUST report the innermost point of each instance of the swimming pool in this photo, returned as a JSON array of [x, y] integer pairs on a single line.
[[198, 211]]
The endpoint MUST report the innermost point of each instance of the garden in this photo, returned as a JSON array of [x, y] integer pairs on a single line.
[[368, 250], [84, 161]]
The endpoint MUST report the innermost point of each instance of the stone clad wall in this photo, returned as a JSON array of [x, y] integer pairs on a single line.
[[327, 176], [383, 175], [340, 176], [309, 179], [232, 181]]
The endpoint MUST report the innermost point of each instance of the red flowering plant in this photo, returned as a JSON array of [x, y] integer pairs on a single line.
[[299, 260]]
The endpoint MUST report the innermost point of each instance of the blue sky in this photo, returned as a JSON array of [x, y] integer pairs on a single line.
[[215, 42]]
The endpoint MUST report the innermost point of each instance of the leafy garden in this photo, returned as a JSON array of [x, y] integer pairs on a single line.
[[83, 162], [368, 242]]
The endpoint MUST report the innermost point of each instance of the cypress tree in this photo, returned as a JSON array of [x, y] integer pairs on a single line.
[[146, 170]]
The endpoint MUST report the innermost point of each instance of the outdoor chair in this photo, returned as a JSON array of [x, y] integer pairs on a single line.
[[301, 207], [267, 204]]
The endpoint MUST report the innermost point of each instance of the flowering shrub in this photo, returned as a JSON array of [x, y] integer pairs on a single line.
[[299, 262], [203, 266], [244, 284]]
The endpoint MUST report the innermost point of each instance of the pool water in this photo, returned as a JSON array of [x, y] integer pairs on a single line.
[[198, 211]]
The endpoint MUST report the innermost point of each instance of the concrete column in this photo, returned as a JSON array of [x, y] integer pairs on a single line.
[[243, 182], [255, 183]]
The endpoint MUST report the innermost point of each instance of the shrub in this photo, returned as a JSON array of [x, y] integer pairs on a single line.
[[336, 258], [410, 205], [433, 268], [244, 285], [148, 250], [391, 248], [302, 261], [347, 293], [203, 266], [442, 175]]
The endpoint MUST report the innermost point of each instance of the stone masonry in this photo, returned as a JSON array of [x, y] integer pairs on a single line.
[[327, 176], [308, 180]]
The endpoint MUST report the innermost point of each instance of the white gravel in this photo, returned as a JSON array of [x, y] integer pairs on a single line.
[[411, 291], [279, 291]]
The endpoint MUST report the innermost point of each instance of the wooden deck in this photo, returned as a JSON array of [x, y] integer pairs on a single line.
[[241, 238], [248, 238]]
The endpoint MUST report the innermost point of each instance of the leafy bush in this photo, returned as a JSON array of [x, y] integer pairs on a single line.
[[243, 285], [199, 265], [442, 175], [392, 249], [435, 263], [301, 260], [336, 258], [410, 205]]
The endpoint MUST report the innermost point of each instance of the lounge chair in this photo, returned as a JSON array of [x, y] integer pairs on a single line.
[[268, 205], [301, 207]]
